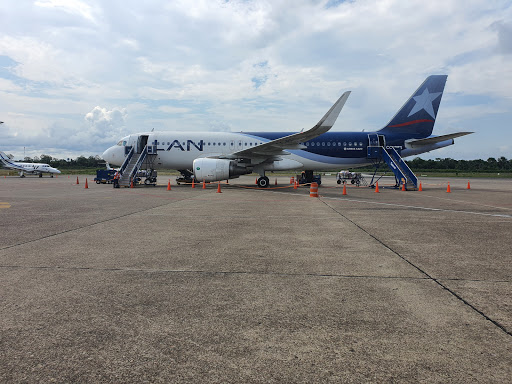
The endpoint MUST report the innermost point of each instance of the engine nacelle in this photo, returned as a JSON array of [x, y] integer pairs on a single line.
[[217, 169]]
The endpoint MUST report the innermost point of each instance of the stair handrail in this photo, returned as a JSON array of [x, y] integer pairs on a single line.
[[126, 161], [403, 166], [138, 164], [399, 174]]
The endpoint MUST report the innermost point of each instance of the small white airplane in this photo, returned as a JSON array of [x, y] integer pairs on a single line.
[[27, 168]]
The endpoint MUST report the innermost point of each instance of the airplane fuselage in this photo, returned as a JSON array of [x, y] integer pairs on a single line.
[[178, 150]]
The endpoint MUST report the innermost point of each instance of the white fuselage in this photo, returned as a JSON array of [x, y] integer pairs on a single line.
[[178, 150]]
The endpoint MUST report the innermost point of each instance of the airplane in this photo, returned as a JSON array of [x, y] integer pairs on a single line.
[[27, 168], [216, 156]]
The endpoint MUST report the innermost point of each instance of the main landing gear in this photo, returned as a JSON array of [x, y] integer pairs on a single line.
[[263, 182]]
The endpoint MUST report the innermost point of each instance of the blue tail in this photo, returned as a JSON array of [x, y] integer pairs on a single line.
[[418, 114]]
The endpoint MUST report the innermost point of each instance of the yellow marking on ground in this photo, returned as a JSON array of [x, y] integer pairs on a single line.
[[4, 205]]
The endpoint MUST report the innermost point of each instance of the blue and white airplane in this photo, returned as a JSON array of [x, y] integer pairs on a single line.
[[214, 156], [27, 168]]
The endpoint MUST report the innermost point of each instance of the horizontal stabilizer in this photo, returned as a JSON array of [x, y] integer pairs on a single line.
[[416, 143]]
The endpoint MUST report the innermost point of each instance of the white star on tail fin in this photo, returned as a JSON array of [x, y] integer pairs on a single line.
[[424, 101]]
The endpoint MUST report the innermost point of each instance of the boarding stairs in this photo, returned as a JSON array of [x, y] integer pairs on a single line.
[[403, 174], [131, 166]]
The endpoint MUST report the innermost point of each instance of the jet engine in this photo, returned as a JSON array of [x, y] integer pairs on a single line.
[[217, 169]]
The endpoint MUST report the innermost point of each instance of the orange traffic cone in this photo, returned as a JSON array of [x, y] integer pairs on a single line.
[[131, 184], [218, 188], [86, 185], [420, 188], [204, 185], [469, 186], [77, 182], [169, 185], [275, 182], [448, 189], [295, 185], [344, 189], [256, 182], [377, 187], [403, 186]]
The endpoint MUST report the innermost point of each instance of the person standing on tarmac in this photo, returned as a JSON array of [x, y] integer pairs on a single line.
[[117, 176]]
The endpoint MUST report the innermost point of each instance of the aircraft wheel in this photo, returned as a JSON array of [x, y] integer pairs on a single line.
[[263, 182], [40, 175], [338, 181]]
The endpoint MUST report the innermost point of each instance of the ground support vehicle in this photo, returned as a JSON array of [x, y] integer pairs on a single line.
[[353, 177], [104, 176]]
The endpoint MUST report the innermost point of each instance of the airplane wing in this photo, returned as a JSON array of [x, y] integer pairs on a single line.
[[277, 147], [417, 143]]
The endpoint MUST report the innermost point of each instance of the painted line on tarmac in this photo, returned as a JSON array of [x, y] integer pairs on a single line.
[[420, 207], [468, 202], [4, 205]]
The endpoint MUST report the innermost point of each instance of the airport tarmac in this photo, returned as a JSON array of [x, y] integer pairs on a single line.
[[255, 286]]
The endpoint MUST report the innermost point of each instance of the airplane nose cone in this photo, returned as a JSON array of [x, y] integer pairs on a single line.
[[107, 155]]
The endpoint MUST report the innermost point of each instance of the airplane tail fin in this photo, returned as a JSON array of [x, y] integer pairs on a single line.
[[418, 115], [4, 159]]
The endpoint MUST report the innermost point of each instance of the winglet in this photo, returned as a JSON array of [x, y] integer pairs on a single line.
[[332, 114]]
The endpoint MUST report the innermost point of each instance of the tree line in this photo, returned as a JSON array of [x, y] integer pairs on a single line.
[[79, 162], [490, 165]]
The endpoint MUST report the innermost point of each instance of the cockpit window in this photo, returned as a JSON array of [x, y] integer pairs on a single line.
[[122, 143]]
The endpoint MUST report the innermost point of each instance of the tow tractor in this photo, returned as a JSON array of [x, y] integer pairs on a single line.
[[354, 177], [104, 176], [307, 177]]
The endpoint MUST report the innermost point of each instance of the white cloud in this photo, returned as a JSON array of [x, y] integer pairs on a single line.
[[75, 7], [104, 125]]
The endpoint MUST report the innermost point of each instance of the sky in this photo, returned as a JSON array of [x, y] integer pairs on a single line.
[[77, 75]]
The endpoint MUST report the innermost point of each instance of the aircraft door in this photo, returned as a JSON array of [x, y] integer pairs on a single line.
[[373, 140], [141, 143], [382, 140]]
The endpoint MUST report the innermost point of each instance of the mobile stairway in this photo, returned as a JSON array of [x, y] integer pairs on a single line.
[[131, 166], [403, 174]]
